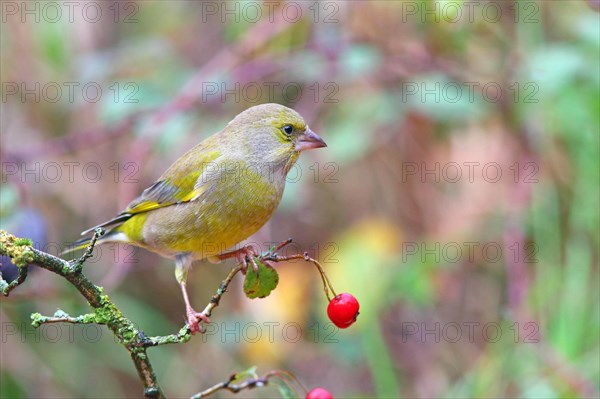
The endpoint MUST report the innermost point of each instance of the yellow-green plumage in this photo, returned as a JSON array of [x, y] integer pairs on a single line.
[[232, 208], [221, 191]]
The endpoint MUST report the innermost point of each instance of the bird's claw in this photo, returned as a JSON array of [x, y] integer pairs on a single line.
[[194, 320], [254, 265], [245, 253]]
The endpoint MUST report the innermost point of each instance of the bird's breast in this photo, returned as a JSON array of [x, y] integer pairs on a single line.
[[237, 206]]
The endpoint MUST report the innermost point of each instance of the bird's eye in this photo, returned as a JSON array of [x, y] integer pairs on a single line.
[[288, 129]]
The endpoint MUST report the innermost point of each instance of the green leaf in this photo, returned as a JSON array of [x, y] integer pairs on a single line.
[[260, 286]]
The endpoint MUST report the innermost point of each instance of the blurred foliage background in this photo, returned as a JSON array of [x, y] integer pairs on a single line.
[[458, 198]]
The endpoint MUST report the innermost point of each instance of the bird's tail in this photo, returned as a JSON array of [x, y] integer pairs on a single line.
[[84, 242], [110, 236]]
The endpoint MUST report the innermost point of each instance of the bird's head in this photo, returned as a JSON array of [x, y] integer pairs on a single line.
[[276, 133]]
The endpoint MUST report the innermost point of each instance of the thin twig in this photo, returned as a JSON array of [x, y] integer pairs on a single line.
[[182, 336], [214, 301], [6, 288], [61, 317], [234, 388], [228, 385], [273, 257], [250, 383], [78, 264]]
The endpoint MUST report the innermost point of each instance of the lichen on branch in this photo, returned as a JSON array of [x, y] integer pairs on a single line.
[[18, 249]]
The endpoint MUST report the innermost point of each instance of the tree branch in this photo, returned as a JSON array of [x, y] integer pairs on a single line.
[[105, 312]]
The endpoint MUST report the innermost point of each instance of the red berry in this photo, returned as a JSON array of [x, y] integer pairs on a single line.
[[319, 393], [343, 310]]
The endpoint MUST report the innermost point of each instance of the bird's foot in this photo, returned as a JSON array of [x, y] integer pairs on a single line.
[[195, 319], [243, 255]]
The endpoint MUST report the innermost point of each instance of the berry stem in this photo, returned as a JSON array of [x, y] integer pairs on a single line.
[[326, 281], [273, 257]]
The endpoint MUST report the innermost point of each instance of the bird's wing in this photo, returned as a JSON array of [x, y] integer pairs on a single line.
[[189, 178]]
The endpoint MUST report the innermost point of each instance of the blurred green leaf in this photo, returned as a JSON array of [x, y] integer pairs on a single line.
[[554, 66], [9, 199], [315, 61], [570, 332], [53, 44], [412, 281], [358, 61], [176, 129], [352, 132], [10, 387], [540, 389], [443, 99], [589, 29]]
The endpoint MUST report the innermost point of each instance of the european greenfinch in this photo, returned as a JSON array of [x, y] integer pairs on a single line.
[[217, 194]]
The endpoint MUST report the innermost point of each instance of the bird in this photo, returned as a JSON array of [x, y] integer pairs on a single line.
[[215, 195]]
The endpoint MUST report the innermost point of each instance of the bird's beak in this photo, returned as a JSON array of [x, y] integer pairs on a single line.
[[309, 140]]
